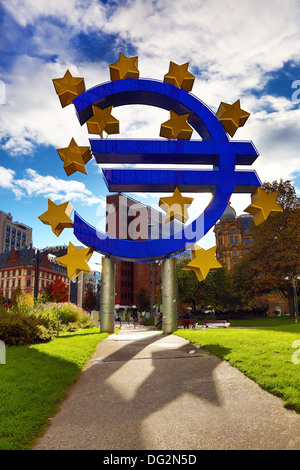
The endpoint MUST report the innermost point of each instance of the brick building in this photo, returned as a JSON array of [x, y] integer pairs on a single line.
[[29, 269], [129, 219]]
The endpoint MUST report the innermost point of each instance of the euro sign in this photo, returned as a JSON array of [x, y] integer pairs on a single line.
[[213, 148]]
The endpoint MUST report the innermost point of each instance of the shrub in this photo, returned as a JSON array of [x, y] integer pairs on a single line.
[[22, 301], [17, 327], [67, 313], [40, 324]]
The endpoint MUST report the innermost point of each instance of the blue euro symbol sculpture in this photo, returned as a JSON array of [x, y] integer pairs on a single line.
[[214, 149]]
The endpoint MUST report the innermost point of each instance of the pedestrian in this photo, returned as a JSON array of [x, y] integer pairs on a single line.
[[134, 317]]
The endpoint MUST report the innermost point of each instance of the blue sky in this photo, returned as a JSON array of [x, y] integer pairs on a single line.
[[247, 50]]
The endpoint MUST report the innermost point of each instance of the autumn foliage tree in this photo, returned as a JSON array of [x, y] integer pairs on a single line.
[[89, 301], [142, 300], [58, 291], [274, 261]]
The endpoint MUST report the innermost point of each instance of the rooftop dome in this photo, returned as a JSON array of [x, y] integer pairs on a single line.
[[228, 214]]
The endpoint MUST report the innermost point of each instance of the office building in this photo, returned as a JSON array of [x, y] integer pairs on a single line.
[[129, 219], [13, 234]]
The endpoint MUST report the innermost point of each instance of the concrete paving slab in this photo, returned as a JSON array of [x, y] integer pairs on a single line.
[[142, 390]]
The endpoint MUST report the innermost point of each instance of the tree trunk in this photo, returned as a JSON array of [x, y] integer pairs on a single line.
[[291, 302]]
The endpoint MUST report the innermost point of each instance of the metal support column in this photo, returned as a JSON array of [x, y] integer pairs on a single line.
[[107, 298], [169, 295]]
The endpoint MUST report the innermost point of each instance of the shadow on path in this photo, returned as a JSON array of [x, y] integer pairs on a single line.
[[124, 385]]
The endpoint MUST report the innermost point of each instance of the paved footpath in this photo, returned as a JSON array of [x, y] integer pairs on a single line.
[[146, 391]]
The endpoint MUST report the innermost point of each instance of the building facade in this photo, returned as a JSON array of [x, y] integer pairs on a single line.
[[13, 234], [29, 269], [233, 237], [129, 219]]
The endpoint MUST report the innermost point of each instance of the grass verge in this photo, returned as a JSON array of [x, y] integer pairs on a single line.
[[35, 380], [263, 354]]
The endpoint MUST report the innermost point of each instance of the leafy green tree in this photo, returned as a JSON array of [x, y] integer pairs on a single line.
[[218, 290], [189, 288], [274, 260]]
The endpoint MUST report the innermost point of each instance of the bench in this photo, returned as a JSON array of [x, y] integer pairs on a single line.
[[215, 323], [186, 322]]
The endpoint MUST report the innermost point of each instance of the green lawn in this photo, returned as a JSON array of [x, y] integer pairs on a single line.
[[34, 381], [265, 321], [264, 354]]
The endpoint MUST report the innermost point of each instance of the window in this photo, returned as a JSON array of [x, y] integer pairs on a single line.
[[233, 230], [28, 283], [236, 239], [28, 272], [234, 252], [231, 239]]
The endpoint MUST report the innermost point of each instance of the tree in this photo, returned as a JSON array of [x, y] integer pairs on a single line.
[[89, 301], [189, 288], [16, 294], [142, 300], [58, 291], [274, 260], [218, 290]]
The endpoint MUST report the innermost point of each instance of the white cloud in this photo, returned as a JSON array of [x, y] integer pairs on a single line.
[[6, 177], [35, 185], [80, 15]]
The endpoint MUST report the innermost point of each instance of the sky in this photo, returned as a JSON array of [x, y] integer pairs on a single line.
[[247, 50]]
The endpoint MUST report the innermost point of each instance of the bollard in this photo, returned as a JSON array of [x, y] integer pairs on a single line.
[[2, 353]]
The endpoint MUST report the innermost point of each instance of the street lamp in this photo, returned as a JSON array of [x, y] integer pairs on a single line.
[[294, 281], [36, 261]]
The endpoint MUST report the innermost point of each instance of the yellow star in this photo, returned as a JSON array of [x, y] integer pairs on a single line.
[[232, 116], [68, 88], [175, 206], [58, 216], [203, 261], [102, 120], [263, 205], [176, 127], [76, 260], [75, 157], [179, 76], [124, 68]]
